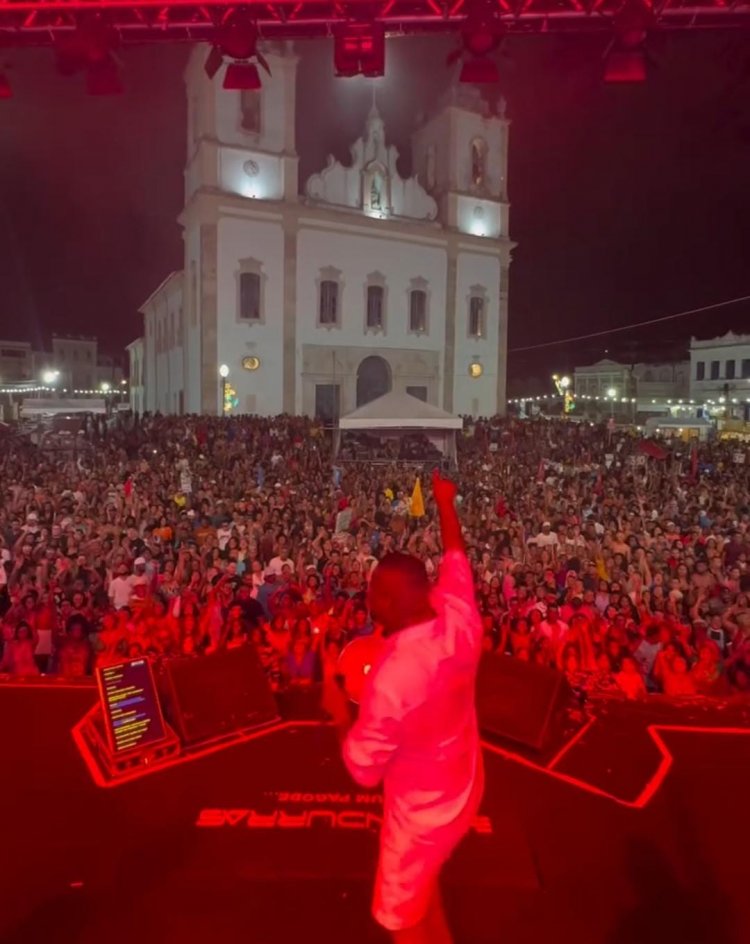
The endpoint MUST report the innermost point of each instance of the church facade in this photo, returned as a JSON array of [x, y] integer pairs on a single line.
[[315, 299]]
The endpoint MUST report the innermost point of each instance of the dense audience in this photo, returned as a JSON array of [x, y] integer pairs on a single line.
[[181, 536]]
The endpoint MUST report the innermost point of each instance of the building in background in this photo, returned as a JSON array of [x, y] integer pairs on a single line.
[[633, 388], [136, 371], [74, 366], [17, 362], [365, 282], [720, 375]]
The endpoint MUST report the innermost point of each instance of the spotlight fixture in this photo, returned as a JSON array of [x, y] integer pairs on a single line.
[[5, 90], [626, 60], [237, 40], [481, 35], [359, 49], [91, 49]]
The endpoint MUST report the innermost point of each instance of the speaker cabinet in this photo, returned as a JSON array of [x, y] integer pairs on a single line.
[[520, 701], [212, 696]]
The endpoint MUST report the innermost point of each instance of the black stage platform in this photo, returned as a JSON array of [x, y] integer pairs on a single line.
[[634, 832]]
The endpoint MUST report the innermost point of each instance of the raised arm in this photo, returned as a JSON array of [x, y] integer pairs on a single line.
[[445, 492]]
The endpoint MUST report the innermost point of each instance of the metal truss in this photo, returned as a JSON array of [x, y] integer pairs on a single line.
[[41, 22]]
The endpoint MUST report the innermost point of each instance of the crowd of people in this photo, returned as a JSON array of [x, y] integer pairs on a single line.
[[182, 536]]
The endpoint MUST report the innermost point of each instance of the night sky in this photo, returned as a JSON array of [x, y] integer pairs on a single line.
[[627, 202]]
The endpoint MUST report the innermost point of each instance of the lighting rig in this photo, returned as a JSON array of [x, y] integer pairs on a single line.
[[87, 34]]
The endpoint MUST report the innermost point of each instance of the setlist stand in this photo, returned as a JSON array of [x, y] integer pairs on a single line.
[[126, 732]]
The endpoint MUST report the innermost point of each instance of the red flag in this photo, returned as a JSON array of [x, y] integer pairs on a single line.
[[650, 448], [540, 472], [128, 488]]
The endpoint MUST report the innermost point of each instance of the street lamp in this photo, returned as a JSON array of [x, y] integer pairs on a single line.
[[223, 373], [49, 377], [612, 394], [105, 387], [562, 385]]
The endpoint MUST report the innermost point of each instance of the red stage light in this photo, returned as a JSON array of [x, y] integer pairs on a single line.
[[632, 23], [625, 66], [359, 49], [479, 72], [5, 90], [481, 34], [238, 38], [242, 76]]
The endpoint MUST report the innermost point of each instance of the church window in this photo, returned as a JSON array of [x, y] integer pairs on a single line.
[[476, 316], [250, 110], [249, 296], [375, 297], [250, 291], [328, 313], [418, 310], [478, 154]]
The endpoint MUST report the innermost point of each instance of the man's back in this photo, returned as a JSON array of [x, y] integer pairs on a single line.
[[420, 706]]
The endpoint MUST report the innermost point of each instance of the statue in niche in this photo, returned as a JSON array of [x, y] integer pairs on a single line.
[[376, 193], [477, 163]]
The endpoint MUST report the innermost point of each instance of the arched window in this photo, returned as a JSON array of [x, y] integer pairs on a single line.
[[418, 306], [250, 103], [478, 158], [329, 302]]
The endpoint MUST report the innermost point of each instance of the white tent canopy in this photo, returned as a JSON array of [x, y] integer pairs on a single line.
[[399, 411], [396, 416], [61, 407]]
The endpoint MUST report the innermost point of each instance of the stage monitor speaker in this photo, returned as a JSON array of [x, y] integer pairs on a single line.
[[519, 700], [212, 696]]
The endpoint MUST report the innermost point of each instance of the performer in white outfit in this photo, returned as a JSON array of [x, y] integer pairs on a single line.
[[417, 728]]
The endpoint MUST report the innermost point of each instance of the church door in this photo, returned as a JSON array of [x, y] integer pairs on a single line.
[[373, 379]]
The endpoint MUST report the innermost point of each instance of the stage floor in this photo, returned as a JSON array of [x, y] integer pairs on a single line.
[[268, 841]]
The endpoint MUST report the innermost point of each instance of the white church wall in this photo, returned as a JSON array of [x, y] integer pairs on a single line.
[[192, 355], [259, 177], [357, 256], [273, 111], [259, 391], [476, 274]]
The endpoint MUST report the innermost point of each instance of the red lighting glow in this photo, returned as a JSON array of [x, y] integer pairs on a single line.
[[5, 90], [479, 72], [626, 66]]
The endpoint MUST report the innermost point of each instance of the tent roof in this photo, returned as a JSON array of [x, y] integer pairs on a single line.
[[677, 422], [33, 407], [399, 411]]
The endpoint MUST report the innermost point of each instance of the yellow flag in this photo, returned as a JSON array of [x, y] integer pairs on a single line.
[[416, 509]]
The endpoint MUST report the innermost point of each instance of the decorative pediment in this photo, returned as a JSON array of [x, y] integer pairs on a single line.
[[371, 182]]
